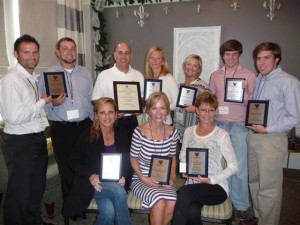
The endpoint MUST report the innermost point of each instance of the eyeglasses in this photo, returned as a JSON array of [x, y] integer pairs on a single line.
[[206, 110]]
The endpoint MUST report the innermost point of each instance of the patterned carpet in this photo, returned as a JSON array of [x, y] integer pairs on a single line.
[[290, 211]]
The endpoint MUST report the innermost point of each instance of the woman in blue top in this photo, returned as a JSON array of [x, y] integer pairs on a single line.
[[104, 136]]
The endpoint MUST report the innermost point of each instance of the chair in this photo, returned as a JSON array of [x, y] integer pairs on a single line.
[[135, 204], [221, 213]]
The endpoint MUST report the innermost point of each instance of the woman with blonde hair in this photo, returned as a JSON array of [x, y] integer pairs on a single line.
[[156, 67], [185, 117], [154, 137]]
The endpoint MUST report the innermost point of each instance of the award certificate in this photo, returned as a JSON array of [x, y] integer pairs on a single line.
[[160, 168], [186, 96], [110, 166], [55, 83], [234, 91], [257, 112], [197, 162], [128, 97], [151, 86]]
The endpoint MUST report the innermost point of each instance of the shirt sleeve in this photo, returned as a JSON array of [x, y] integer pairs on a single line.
[[228, 154], [97, 93], [173, 90], [136, 144], [18, 110]]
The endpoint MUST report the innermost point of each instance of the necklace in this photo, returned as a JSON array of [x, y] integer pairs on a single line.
[[225, 75], [153, 138], [107, 137]]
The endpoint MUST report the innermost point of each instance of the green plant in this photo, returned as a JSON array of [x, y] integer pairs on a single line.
[[100, 39]]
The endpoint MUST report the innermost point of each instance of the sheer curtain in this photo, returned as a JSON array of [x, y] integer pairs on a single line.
[[70, 24], [10, 30]]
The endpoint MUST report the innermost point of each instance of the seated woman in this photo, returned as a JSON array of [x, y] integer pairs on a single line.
[[211, 190], [104, 136], [154, 138]]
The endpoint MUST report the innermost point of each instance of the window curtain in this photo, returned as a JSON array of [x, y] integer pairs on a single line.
[[9, 32], [70, 24]]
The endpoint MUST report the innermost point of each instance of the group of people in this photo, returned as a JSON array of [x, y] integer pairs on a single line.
[[85, 123]]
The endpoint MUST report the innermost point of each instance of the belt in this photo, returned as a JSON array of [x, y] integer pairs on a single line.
[[36, 134], [128, 117], [75, 123]]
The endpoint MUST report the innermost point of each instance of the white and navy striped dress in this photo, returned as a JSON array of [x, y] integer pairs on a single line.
[[143, 148]]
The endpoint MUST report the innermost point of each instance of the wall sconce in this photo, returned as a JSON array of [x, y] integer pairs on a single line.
[[166, 10], [142, 15], [272, 5], [118, 14], [235, 5], [198, 8]]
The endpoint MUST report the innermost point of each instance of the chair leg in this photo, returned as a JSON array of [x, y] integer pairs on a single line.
[[50, 209]]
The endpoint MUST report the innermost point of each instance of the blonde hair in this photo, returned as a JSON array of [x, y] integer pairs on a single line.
[[193, 56], [164, 67], [154, 98]]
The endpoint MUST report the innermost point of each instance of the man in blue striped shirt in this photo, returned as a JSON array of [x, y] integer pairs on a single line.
[[267, 146]]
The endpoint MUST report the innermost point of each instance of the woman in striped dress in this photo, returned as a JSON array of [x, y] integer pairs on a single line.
[[154, 137]]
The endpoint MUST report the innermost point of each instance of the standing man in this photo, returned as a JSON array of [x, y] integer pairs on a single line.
[[24, 145], [268, 145], [231, 117], [121, 71], [71, 115]]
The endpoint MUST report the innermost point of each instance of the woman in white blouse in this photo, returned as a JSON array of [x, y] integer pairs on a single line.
[[156, 67], [213, 189]]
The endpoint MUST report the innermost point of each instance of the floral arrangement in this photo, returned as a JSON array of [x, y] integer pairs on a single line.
[[100, 36]]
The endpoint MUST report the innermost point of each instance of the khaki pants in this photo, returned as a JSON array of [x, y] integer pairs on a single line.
[[266, 153]]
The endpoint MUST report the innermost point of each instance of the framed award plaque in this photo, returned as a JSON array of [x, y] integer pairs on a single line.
[[160, 168], [257, 112], [197, 162], [234, 91], [128, 97], [151, 86], [111, 164], [186, 96], [55, 83]]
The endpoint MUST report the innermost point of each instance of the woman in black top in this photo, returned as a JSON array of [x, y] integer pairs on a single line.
[[104, 136]]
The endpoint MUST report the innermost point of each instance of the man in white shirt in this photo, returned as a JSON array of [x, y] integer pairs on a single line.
[[24, 145], [121, 71]]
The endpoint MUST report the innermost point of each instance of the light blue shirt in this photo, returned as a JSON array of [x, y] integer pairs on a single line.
[[283, 92], [79, 85]]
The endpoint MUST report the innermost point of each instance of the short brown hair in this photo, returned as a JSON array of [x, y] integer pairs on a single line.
[[231, 45], [208, 98], [268, 46], [62, 40]]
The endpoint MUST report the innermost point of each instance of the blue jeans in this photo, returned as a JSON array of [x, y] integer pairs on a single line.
[[112, 205], [238, 183]]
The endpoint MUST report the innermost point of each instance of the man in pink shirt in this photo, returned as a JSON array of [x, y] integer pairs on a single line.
[[231, 116]]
